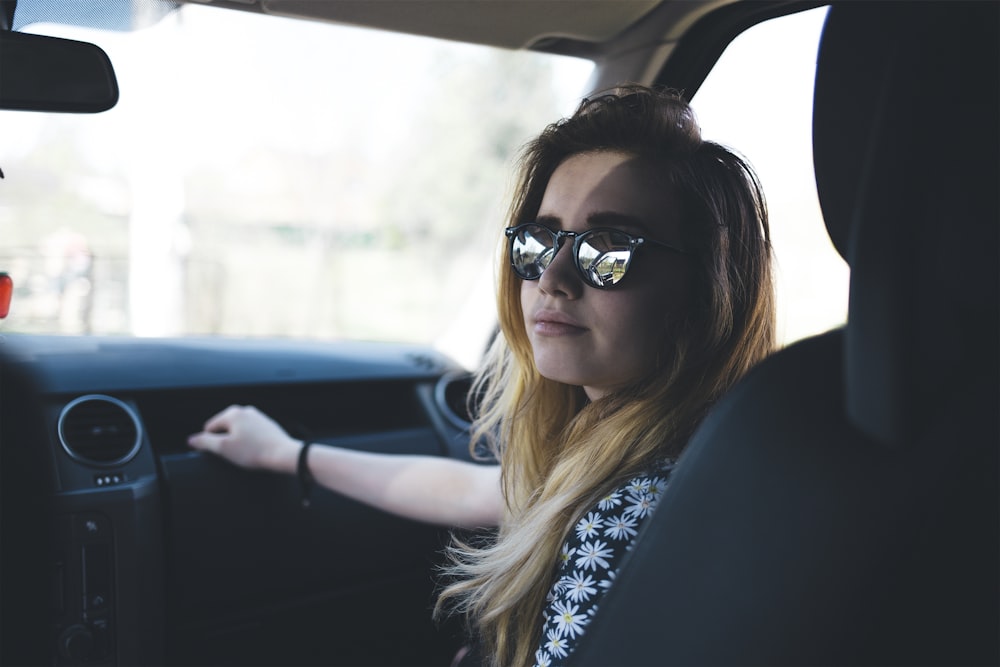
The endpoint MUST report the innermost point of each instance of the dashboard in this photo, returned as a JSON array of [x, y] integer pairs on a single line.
[[157, 554]]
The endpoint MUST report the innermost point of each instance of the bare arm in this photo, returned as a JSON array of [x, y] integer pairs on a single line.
[[426, 488]]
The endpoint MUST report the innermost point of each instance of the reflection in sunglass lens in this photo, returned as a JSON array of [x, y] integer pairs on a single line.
[[604, 257], [531, 251]]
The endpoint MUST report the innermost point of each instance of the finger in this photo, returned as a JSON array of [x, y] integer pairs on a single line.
[[221, 422], [207, 442]]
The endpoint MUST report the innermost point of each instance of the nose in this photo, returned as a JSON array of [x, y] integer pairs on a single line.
[[560, 277]]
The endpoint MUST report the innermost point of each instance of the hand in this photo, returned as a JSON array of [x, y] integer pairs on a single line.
[[245, 436]]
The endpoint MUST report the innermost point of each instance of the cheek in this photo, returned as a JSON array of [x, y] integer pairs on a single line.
[[648, 326], [528, 293], [672, 300], [624, 316], [646, 316]]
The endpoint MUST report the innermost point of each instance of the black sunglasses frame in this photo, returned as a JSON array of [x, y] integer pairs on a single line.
[[635, 242]]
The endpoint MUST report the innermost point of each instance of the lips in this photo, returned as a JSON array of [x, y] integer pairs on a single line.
[[555, 323]]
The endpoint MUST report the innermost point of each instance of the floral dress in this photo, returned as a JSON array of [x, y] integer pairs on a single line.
[[589, 562]]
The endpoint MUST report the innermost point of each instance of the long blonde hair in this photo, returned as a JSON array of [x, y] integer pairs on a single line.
[[560, 454]]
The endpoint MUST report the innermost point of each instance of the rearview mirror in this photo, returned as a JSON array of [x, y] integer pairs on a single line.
[[39, 73]]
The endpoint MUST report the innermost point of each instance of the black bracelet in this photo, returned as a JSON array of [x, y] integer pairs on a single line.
[[302, 470]]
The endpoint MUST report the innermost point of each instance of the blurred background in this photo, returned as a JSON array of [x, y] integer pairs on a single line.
[[271, 177]]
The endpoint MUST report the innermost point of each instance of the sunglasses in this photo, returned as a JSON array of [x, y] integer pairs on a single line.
[[602, 256]]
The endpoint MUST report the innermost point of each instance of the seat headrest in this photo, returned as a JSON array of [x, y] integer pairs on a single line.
[[905, 143]]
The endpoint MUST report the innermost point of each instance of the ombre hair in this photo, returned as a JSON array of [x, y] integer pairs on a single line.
[[559, 453]]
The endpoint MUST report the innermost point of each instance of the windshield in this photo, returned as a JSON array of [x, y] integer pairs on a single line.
[[263, 176], [271, 177]]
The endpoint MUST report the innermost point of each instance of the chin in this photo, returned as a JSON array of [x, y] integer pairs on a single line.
[[559, 374]]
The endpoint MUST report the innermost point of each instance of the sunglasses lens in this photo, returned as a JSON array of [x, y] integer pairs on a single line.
[[604, 257], [531, 251]]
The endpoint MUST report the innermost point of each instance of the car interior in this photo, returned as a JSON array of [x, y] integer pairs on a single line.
[[839, 506]]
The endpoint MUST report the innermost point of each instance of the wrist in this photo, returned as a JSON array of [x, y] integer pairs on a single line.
[[285, 457]]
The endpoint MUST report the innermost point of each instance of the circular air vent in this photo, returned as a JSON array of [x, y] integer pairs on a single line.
[[452, 396], [99, 430]]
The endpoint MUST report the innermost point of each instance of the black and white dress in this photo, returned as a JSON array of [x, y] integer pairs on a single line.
[[589, 561]]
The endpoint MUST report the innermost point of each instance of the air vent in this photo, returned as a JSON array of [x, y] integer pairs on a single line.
[[452, 396], [100, 430]]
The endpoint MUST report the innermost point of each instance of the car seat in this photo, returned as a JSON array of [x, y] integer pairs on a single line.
[[840, 505]]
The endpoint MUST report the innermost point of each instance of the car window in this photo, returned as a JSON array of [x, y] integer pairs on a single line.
[[758, 100], [264, 176]]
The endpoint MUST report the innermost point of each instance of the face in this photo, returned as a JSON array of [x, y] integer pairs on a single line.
[[597, 339]]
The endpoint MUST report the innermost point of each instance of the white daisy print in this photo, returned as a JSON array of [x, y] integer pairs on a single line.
[[586, 566], [656, 487], [565, 554], [610, 501], [579, 586], [641, 506], [569, 623], [591, 555], [638, 486], [556, 645], [588, 525], [621, 527]]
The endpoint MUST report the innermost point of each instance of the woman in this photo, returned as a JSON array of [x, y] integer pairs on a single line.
[[638, 290]]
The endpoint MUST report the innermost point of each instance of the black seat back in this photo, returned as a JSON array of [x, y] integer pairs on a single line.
[[841, 505]]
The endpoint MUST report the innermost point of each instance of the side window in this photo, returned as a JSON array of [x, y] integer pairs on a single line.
[[758, 100]]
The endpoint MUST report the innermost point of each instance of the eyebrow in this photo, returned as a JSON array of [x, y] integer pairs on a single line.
[[601, 219]]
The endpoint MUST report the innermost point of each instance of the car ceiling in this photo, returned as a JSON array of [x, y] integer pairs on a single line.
[[644, 41], [630, 40], [505, 23], [576, 27]]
